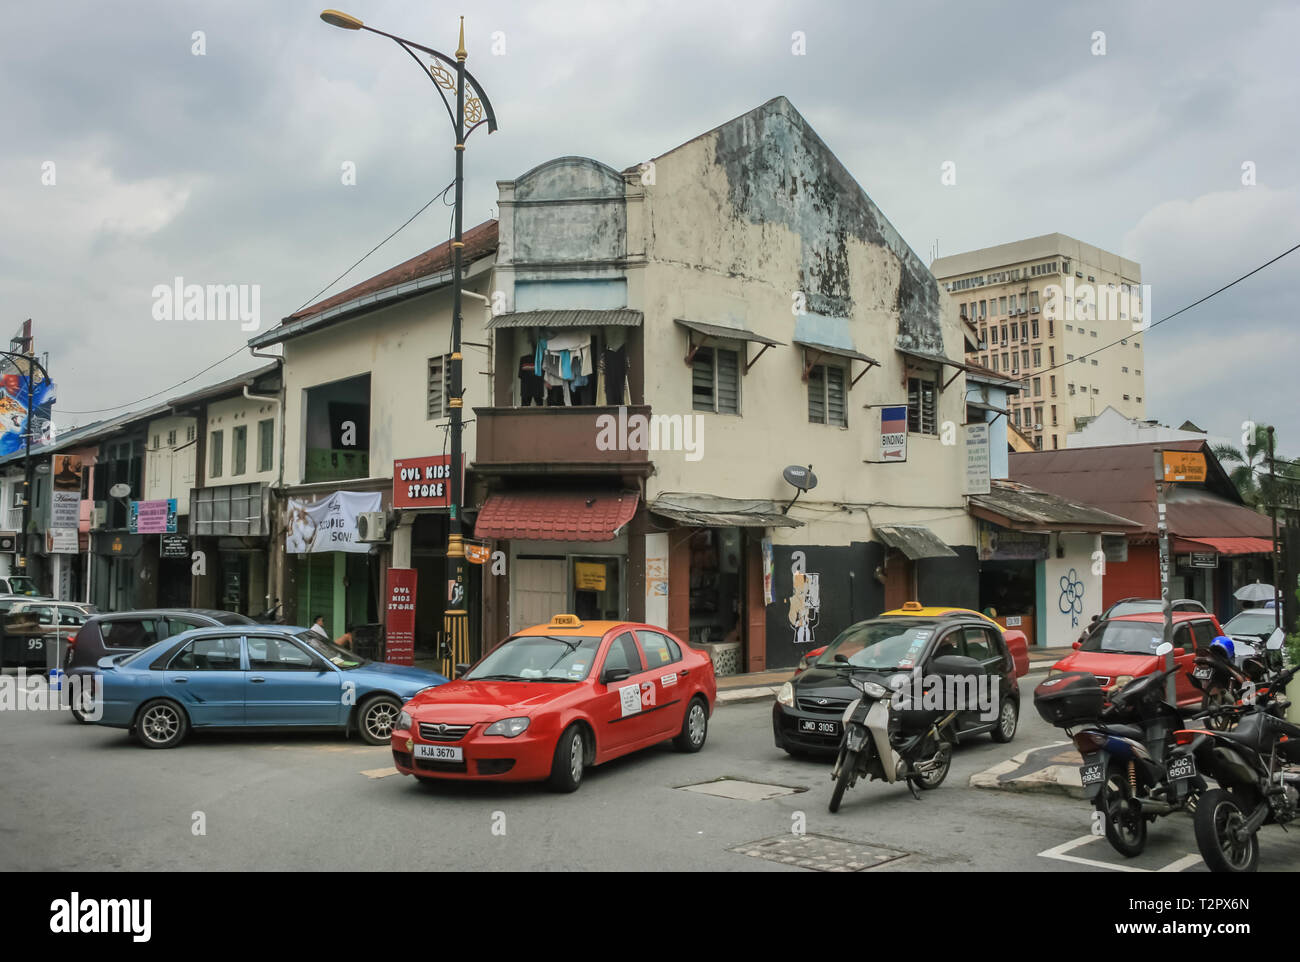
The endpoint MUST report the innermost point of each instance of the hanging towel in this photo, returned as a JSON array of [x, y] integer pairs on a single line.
[[539, 355]]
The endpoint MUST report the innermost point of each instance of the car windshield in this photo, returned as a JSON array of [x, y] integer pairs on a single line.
[[21, 585], [1259, 623], [1125, 637], [538, 658], [881, 645], [335, 655]]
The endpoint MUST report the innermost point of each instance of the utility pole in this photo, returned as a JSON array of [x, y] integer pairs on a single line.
[[1272, 510], [1162, 531]]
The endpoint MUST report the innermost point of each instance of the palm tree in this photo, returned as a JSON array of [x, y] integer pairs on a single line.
[[1246, 468]]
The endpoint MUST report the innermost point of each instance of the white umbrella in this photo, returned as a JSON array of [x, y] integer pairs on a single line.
[[1255, 592]]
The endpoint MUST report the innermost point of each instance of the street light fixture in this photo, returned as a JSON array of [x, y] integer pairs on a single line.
[[477, 110]]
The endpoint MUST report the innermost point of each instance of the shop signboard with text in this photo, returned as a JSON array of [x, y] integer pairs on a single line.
[[423, 482], [399, 625], [152, 517]]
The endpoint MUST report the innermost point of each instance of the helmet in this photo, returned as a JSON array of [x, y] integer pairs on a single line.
[[1224, 643]]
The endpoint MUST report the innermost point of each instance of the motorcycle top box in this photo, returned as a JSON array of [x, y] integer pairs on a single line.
[[1069, 699]]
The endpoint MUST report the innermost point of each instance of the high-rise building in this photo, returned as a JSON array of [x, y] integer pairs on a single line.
[[1047, 310]]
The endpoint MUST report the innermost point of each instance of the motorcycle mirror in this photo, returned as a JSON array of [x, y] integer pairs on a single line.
[[1275, 640], [1077, 645], [1164, 649]]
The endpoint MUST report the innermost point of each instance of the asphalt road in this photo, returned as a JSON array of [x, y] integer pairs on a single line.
[[85, 798]]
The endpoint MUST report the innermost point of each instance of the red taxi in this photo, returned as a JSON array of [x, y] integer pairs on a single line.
[[1122, 648], [555, 699]]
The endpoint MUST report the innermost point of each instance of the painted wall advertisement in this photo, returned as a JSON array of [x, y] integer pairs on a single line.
[[329, 524], [65, 505], [399, 625], [152, 517]]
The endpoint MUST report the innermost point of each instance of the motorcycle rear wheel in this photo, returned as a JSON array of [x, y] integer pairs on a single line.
[[1217, 813], [935, 778], [1126, 830], [848, 765]]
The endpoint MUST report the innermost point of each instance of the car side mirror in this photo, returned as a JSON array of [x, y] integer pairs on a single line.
[[1275, 640], [610, 675], [955, 665], [1077, 645], [1179, 652], [462, 668]]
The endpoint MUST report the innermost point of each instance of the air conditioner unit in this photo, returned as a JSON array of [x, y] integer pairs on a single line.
[[1033, 310], [372, 526], [1038, 427]]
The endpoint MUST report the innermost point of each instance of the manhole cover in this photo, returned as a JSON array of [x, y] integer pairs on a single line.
[[728, 787], [820, 853]]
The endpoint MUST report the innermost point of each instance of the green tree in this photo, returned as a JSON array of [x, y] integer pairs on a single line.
[[1247, 468]]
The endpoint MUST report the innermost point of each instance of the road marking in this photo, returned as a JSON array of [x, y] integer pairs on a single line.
[[1059, 853], [379, 772]]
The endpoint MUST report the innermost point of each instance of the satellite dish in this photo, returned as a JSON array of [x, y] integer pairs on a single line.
[[42, 468], [801, 477], [119, 490]]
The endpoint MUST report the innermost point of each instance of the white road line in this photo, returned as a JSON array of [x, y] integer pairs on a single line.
[[1059, 853]]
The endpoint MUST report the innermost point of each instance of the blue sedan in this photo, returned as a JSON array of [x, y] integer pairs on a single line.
[[238, 676]]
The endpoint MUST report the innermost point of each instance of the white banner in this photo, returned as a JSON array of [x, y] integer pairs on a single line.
[[65, 514], [978, 458], [329, 524]]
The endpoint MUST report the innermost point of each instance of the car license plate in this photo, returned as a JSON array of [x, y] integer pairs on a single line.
[[1184, 767], [1203, 673], [440, 753], [1090, 774], [819, 727]]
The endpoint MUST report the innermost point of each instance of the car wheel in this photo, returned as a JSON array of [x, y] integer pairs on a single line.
[[570, 760], [376, 719], [695, 727], [84, 701], [161, 724], [1008, 719]]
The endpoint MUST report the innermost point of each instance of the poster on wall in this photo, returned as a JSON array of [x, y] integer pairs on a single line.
[[978, 460], [152, 517], [65, 505], [329, 524], [767, 571], [399, 625]]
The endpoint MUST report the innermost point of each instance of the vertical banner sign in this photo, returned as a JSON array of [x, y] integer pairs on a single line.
[[893, 433], [978, 461], [15, 420], [65, 505], [767, 571], [399, 625], [1162, 529]]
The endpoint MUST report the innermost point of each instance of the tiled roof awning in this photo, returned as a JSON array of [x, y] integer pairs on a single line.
[[1234, 546], [556, 515], [914, 540], [709, 511], [623, 317]]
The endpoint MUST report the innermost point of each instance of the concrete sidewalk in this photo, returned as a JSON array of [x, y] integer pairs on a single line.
[[1053, 769]]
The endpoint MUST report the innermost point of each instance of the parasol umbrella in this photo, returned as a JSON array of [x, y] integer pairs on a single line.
[[1255, 592]]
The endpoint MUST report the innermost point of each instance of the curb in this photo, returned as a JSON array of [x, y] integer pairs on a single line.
[[742, 696], [1052, 770]]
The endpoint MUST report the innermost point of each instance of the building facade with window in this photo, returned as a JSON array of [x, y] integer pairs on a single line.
[[1065, 318]]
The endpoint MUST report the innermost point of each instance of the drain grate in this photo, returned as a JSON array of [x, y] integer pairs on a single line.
[[821, 853], [740, 788]]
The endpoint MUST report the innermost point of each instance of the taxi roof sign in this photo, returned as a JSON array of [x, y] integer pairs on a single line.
[[911, 606], [565, 621]]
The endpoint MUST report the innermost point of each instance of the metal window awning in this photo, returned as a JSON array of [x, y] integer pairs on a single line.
[[710, 511], [709, 332], [813, 352], [622, 317], [914, 540], [939, 359]]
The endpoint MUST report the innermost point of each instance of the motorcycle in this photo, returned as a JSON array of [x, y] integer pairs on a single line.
[[1128, 770], [880, 742], [1257, 767]]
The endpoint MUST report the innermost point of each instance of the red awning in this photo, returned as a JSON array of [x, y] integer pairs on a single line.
[[556, 515], [1239, 545]]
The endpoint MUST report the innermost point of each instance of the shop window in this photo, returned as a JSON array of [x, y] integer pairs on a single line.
[[826, 396], [715, 381], [216, 445], [239, 438], [266, 444], [438, 407], [597, 588], [716, 589], [921, 406]]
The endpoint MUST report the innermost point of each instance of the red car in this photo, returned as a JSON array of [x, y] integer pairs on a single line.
[[554, 699], [1123, 648]]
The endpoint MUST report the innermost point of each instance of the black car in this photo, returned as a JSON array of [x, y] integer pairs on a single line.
[[129, 631], [807, 718]]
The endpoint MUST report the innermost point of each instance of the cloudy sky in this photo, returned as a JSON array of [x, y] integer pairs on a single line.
[[219, 159]]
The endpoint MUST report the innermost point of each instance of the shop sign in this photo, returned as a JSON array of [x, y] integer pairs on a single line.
[[1203, 559], [1003, 544], [893, 433], [175, 546], [152, 517], [399, 625], [329, 524], [423, 482], [1115, 547], [588, 576], [477, 554], [978, 459]]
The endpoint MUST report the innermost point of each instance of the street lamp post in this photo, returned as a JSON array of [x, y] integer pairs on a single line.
[[477, 110]]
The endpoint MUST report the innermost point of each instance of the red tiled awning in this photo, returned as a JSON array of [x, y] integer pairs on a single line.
[[1231, 546], [556, 515]]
